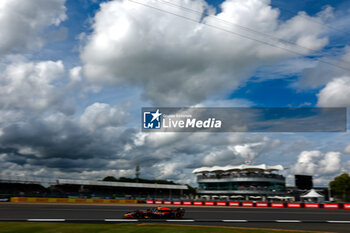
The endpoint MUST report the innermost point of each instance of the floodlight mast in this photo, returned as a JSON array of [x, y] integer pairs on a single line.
[[137, 173]]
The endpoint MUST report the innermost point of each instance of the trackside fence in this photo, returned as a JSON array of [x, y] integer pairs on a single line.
[[253, 204], [71, 200]]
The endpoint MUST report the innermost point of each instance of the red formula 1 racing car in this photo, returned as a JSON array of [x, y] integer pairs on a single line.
[[159, 212]]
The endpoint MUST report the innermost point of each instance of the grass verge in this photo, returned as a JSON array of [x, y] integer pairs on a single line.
[[29, 227]]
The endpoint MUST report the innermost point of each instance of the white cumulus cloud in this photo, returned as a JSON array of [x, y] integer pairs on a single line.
[[22, 23], [30, 85], [320, 165], [177, 61], [347, 149], [99, 115], [336, 93]]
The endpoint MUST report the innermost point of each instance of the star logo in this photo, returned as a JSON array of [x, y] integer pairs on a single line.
[[152, 120], [156, 115]]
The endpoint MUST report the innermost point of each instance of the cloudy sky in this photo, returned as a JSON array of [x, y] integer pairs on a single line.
[[75, 74]]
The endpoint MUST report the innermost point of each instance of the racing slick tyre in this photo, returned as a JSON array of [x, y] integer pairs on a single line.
[[138, 215]]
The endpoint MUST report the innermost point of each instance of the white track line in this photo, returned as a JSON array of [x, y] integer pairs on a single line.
[[180, 220], [288, 221], [333, 221], [121, 220], [46, 220], [233, 220], [188, 220]]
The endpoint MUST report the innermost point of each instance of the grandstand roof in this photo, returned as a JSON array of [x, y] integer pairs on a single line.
[[243, 167], [122, 184], [13, 179]]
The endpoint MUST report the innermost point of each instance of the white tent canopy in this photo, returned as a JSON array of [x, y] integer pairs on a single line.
[[275, 197], [286, 198], [255, 197], [312, 194], [243, 167]]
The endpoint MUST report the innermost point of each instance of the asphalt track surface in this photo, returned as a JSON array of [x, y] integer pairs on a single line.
[[323, 220]]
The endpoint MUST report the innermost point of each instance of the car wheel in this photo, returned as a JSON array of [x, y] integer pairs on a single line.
[[137, 215]]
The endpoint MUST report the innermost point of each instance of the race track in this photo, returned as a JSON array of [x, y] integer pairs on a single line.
[[283, 218]]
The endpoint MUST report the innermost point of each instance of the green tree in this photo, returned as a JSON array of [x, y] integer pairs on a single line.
[[135, 180], [110, 178], [340, 186], [191, 190]]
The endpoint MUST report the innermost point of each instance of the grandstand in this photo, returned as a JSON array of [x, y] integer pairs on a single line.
[[25, 186], [241, 182], [18, 189]]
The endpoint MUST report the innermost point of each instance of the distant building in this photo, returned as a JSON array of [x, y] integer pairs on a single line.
[[303, 182], [27, 186], [245, 181]]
